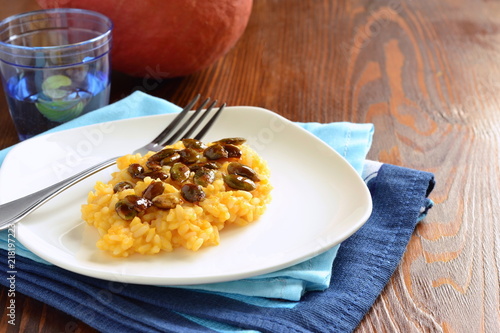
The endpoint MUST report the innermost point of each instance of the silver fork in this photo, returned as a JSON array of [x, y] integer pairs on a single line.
[[14, 211]]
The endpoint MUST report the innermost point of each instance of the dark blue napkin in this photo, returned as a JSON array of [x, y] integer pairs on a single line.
[[362, 267]]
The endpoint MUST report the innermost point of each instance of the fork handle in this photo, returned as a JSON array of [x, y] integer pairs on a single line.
[[14, 211]]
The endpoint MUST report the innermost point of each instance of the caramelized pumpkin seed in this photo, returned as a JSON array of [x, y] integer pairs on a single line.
[[232, 141], [171, 159], [208, 165], [154, 175], [122, 186], [162, 154], [239, 183], [194, 144], [204, 176], [179, 172], [153, 190], [153, 165], [140, 204], [189, 156], [232, 150], [236, 168], [135, 170], [192, 193], [215, 152], [125, 210]]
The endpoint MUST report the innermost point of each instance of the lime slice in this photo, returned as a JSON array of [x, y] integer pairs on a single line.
[[60, 111], [51, 86]]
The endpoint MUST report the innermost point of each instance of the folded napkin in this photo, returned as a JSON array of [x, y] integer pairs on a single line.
[[333, 297]]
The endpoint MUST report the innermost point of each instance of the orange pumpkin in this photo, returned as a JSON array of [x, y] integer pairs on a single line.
[[168, 38]]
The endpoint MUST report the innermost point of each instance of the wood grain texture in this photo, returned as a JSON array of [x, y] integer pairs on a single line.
[[427, 74]]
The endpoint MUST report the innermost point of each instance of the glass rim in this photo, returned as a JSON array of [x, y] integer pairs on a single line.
[[106, 20]]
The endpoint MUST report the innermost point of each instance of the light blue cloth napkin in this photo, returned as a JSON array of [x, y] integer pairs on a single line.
[[352, 141]]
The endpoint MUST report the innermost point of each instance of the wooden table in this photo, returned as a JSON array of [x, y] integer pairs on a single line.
[[427, 74]]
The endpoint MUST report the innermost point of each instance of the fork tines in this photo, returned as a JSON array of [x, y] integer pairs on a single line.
[[197, 118]]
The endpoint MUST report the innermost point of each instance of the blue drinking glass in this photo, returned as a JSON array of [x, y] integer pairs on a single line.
[[55, 66]]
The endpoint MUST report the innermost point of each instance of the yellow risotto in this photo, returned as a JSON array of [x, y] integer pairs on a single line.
[[181, 196]]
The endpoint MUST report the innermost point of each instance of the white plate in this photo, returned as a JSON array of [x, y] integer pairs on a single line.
[[318, 201]]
